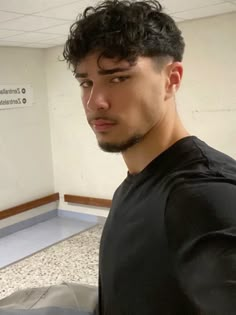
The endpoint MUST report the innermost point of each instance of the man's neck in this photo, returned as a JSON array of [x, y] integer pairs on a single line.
[[158, 140]]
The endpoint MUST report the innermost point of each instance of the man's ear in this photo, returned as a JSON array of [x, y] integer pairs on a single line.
[[174, 74]]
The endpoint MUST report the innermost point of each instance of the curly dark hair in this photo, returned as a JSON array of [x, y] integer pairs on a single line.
[[124, 29]]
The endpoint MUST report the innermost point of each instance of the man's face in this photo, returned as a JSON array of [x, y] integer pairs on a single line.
[[122, 102]]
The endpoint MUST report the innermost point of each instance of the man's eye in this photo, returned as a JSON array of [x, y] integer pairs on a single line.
[[86, 84], [119, 79]]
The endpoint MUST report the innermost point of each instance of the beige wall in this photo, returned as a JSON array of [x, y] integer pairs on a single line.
[[207, 99], [25, 147]]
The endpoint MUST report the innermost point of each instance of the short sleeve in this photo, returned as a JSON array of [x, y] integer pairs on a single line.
[[200, 222]]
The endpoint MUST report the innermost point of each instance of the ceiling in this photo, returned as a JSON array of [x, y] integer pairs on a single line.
[[45, 23]]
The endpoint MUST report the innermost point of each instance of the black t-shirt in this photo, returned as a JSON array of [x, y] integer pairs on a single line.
[[169, 242]]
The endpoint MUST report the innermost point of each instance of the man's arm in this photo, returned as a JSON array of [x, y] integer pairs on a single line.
[[201, 231]]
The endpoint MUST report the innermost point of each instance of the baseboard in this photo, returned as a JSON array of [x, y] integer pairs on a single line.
[[81, 216], [13, 228], [27, 223]]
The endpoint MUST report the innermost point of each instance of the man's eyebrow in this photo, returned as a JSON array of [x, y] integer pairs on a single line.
[[102, 72], [80, 75], [112, 71]]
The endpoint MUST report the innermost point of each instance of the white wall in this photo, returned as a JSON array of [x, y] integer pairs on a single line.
[[206, 101], [25, 147]]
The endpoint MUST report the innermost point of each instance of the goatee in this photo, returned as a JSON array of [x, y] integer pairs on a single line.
[[120, 147]]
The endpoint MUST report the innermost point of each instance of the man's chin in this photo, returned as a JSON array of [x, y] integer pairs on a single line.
[[120, 147]]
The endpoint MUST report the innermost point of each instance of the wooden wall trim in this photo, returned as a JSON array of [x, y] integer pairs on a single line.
[[106, 203], [28, 206]]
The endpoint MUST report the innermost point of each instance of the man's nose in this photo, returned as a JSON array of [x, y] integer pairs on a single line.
[[96, 100]]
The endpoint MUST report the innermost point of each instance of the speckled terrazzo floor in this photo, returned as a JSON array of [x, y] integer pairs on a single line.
[[72, 260]]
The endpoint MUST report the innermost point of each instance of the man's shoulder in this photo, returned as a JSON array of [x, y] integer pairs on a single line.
[[194, 190], [217, 161], [201, 163]]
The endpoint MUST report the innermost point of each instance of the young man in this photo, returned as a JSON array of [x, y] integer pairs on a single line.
[[169, 242]]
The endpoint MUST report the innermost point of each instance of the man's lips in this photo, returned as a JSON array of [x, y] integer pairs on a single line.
[[102, 124]]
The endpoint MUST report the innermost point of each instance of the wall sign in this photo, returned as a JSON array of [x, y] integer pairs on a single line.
[[13, 96]]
